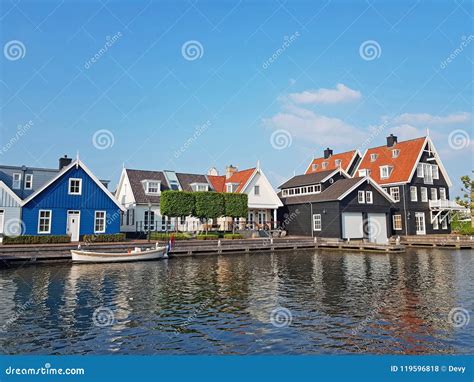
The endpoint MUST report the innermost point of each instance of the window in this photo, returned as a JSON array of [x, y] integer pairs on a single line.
[[229, 187], [338, 162], [373, 157], [419, 170], [424, 194], [413, 194], [99, 222], [395, 153], [200, 187], [310, 189], [442, 193], [317, 188], [395, 193], [149, 217], [314, 166], [28, 181], [435, 222], [385, 171], [444, 222], [325, 164], [361, 197], [75, 186], [428, 172], [369, 197], [152, 187], [256, 190], [16, 185], [385, 190], [44, 221], [284, 192], [317, 222], [435, 171], [434, 194], [397, 222]]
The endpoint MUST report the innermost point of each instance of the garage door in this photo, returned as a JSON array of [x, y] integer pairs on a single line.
[[352, 226], [377, 228]]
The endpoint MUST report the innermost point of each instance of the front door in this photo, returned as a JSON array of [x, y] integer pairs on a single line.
[[2, 220], [262, 217], [73, 223], [420, 223]]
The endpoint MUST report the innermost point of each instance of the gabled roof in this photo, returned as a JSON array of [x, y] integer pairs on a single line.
[[403, 165], [239, 177], [346, 159], [186, 180], [10, 192], [136, 177], [40, 177], [311, 178], [63, 171]]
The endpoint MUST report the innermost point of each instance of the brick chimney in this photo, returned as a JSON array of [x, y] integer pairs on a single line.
[[391, 140], [229, 171], [64, 161], [327, 153]]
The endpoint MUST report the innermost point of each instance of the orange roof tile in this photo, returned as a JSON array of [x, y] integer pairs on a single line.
[[238, 177], [402, 165], [217, 182], [345, 159]]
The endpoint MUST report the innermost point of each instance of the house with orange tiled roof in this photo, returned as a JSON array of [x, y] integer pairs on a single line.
[[412, 173], [346, 161]]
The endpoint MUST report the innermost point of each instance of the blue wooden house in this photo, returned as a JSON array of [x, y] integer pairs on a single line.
[[74, 203]]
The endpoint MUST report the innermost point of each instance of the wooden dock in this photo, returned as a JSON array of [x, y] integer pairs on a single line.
[[61, 252], [438, 241]]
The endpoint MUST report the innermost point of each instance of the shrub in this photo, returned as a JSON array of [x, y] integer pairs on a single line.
[[233, 236], [166, 236], [209, 236], [104, 238], [462, 227], [209, 205], [176, 203], [33, 239]]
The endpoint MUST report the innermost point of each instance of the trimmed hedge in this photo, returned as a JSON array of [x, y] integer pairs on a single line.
[[104, 238], [166, 236], [33, 239], [176, 203], [233, 236], [462, 228], [209, 236]]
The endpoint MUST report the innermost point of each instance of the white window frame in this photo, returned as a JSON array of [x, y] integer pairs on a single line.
[[104, 218], [434, 194], [444, 223], [442, 193], [424, 194], [324, 165], [435, 171], [338, 162], [361, 197], [413, 193], [373, 157], [16, 183], [395, 153], [384, 169], [435, 222], [49, 219], [28, 181], [393, 193], [317, 222], [69, 186], [397, 222], [420, 170], [256, 190], [369, 197], [148, 186]]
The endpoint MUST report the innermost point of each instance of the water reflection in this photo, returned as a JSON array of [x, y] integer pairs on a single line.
[[339, 302]]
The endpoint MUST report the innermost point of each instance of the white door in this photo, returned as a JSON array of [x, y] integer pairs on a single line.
[[352, 225], [2, 220], [420, 223], [73, 223], [377, 228]]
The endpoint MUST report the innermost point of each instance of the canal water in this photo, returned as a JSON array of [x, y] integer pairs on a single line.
[[305, 302]]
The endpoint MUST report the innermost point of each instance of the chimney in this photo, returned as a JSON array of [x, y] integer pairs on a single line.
[[327, 153], [391, 140], [64, 161], [229, 171], [213, 171]]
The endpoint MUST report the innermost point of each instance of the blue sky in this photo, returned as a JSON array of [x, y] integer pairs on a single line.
[[191, 85]]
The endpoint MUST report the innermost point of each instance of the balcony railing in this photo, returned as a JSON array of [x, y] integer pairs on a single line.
[[445, 205]]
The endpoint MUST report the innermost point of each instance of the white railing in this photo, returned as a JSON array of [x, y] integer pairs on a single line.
[[445, 204]]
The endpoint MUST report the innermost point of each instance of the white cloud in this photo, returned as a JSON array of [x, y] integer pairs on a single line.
[[341, 94], [429, 119]]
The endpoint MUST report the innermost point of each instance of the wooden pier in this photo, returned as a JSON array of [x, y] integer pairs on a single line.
[[439, 241], [58, 252]]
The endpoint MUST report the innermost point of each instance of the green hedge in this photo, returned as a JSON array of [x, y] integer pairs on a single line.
[[233, 236], [104, 238], [208, 236], [166, 236], [462, 228], [33, 239]]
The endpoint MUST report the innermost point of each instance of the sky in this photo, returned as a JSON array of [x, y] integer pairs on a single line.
[[190, 85]]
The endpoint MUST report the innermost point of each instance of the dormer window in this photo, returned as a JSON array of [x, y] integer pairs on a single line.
[[385, 171], [232, 187], [16, 184], [314, 166], [200, 187], [395, 153], [325, 164], [373, 157], [364, 172], [338, 162], [152, 187], [28, 181]]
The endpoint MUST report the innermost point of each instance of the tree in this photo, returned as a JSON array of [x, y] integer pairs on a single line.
[[467, 199], [235, 206], [177, 203], [208, 205]]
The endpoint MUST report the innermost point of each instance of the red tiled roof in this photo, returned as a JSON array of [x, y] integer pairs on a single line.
[[331, 162], [238, 177], [402, 165]]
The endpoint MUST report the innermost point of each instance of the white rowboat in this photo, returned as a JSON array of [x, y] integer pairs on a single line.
[[81, 256]]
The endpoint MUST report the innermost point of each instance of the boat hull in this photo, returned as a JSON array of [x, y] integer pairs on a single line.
[[79, 256]]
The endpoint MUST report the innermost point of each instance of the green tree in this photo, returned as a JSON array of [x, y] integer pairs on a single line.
[[235, 206], [177, 203], [208, 205], [467, 199]]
